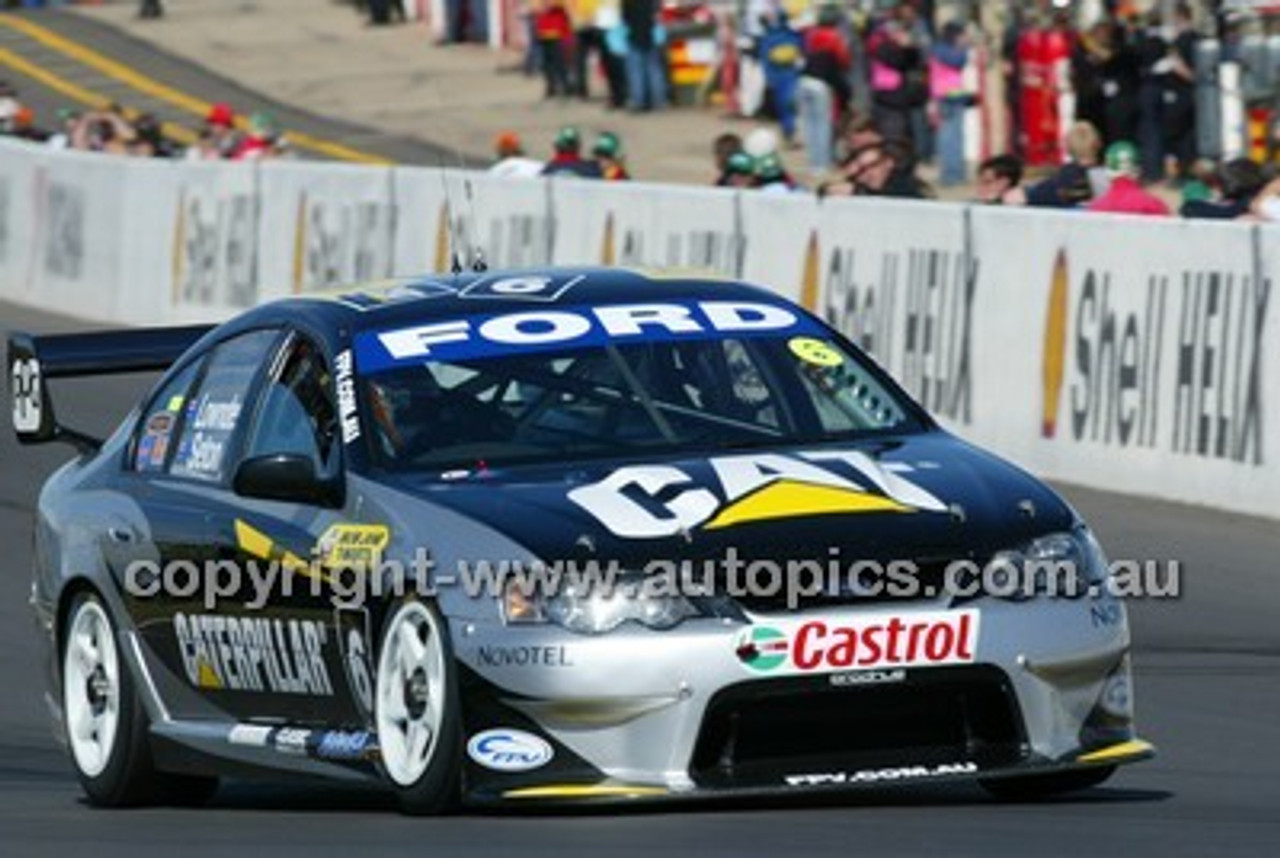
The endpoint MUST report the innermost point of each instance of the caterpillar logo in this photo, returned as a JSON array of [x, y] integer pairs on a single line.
[[225, 653], [655, 501]]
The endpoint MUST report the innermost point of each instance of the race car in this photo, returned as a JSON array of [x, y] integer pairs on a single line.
[[557, 535]]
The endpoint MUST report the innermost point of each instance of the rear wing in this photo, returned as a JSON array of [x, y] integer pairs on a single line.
[[34, 360]]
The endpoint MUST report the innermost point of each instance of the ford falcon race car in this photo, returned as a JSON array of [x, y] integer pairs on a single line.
[[511, 537]]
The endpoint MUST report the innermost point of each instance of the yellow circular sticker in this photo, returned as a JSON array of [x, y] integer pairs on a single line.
[[815, 352]]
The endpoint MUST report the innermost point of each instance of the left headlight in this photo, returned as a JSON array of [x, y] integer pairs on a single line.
[[595, 610]]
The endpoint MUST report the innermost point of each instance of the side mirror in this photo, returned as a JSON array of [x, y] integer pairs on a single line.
[[286, 477]]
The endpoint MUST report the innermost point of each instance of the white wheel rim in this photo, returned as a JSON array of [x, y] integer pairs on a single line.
[[91, 688], [410, 693]]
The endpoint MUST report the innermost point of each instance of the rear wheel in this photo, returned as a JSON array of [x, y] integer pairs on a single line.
[[1032, 787], [105, 722], [416, 710]]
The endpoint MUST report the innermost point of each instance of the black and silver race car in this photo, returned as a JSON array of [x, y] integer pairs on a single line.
[[507, 537]]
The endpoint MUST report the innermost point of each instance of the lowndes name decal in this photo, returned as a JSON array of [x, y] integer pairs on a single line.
[[923, 639], [525, 332], [656, 501], [225, 653]]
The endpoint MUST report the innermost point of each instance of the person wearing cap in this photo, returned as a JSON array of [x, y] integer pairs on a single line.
[[260, 142], [1126, 194], [609, 156], [218, 138], [739, 171], [512, 163], [568, 160], [771, 176]]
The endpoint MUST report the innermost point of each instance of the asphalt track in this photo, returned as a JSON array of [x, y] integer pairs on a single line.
[[1207, 666]]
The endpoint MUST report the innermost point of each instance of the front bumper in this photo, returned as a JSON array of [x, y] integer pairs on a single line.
[[641, 714]]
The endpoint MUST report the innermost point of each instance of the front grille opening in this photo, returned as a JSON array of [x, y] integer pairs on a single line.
[[756, 732]]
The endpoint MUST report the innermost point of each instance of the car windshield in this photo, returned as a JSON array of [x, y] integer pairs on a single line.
[[633, 398]]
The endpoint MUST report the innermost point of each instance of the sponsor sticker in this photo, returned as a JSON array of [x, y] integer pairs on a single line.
[[530, 331], [291, 740], [509, 750], [344, 381], [870, 776], [344, 745], [864, 642], [253, 735], [353, 546], [226, 653], [656, 501], [523, 656], [814, 351]]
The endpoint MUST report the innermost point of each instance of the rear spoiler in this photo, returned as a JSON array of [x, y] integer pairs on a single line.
[[34, 360]]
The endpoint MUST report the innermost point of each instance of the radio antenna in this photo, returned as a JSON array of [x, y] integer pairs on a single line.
[[474, 251], [455, 261]]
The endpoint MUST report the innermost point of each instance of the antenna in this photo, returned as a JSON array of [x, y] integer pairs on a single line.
[[455, 262], [478, 263]]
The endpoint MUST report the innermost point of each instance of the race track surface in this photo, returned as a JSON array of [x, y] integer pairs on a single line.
[[1206, 665]]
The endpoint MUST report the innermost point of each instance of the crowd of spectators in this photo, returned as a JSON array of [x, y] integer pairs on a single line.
[[115, 130]]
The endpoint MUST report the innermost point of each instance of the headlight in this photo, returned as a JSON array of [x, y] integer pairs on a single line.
[[593, 610], [1060, 564]]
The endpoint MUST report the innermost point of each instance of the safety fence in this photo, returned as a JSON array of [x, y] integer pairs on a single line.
[[1127, 354]]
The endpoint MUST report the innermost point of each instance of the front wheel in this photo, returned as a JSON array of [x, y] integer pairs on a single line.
[[417, 712], [1032, 787], [107, 727]]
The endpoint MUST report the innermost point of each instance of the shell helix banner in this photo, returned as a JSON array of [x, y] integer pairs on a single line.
[[1138, 355]]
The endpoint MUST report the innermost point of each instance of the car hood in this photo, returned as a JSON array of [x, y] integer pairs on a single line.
[[927, 495]]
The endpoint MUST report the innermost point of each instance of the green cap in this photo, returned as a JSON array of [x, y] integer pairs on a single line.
[[607, 145], [769, 168], [1122, 158], [739, 164], [569, 139]]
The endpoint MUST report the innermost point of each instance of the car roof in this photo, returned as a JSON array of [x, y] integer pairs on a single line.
[[384, 303]]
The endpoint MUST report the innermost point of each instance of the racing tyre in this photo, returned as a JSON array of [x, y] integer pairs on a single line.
[[416, 710], [106, 725], [1032, 787]]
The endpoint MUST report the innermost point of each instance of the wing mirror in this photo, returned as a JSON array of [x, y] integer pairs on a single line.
[[286, 477]]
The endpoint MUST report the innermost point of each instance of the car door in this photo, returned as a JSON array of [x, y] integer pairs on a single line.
[[292, 650], [178, 471]]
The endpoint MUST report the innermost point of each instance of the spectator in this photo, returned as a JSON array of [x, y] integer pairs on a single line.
[[998, 177], [588, 39], [1241, 181], [1076, 182], [781, 56], [739, 171], [103, 131], [512, 162], [1089, 55], [1266, 203], [884, 170], [1178, 82], [897, 79], [918, 36], [859, 132], [1152, 51], [824, 86], [1126, 194], [951, 99], [24, 127], [609, 157], [261, 141], [1120, 84], [725, 146], [771, 176], [567, 160], [646, 71], [613, 51], [149, 140], [68, 119], [218, 138], [554, 30], [151, 9]]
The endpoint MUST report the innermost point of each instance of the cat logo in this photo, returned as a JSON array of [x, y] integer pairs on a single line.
[[655, 501]]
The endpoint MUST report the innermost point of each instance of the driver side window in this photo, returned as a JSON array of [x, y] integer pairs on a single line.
[[297, 413]]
